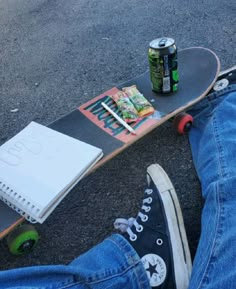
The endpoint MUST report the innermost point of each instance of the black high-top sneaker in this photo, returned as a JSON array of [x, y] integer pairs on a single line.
[[226, 78], [158, 234]]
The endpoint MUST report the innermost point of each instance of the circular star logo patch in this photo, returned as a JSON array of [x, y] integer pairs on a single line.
[[221, 84], [155, 268]]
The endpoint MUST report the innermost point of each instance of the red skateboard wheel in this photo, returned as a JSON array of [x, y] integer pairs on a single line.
[[183, 123]]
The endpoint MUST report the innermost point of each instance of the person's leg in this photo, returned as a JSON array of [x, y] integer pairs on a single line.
[[152, 252], [213, 144], [111, 264]]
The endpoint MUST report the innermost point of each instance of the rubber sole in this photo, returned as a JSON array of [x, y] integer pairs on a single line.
[[178, 239], [227, 71]]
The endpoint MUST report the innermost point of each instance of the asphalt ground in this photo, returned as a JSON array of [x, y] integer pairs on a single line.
[[54, 56]]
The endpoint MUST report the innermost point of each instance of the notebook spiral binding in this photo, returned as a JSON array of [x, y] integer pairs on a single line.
[[11, 194]]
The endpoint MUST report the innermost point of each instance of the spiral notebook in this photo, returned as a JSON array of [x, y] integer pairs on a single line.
[[39, 166]]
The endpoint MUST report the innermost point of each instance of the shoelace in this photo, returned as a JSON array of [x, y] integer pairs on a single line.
[[124, 225]]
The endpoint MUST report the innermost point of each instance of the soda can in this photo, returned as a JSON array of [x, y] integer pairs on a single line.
[[163, 63]]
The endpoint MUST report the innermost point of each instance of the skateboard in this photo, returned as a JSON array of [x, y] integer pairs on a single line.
[[198, 71]]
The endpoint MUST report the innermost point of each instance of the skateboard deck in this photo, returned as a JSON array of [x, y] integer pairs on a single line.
[[198, 70]]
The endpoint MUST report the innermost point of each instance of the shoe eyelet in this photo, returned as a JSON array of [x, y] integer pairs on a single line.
[[147, 209], [149, 200], [159, 242], [139, 228], [149, 191], [144, 218], [133, 237]]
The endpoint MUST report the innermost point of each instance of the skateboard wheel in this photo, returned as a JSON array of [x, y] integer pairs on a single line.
[[183, 123], [22, 239]]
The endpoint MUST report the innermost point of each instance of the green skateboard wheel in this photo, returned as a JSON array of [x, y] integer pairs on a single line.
[[22, 240]]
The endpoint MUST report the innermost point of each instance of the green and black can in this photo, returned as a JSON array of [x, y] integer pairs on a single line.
[[163, 62]]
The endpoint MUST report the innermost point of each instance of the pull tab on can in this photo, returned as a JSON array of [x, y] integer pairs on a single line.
[[162, 42]]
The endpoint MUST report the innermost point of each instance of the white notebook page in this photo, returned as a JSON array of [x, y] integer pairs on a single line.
[[38, 164]]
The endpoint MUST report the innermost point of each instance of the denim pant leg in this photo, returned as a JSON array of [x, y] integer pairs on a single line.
[[213, 145], [111, 264]]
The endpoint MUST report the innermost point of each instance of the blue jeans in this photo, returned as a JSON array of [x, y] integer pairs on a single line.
[[213, 144], [114, 263]]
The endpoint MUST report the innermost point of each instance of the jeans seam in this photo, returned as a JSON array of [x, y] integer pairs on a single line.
[[220, 160], [121, 248], [216, 94], [73, 284], [133, 265], [204, 275], [104, 279], [219, 213]]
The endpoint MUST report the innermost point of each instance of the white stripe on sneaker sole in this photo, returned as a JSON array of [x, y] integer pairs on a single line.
[[180, 249]]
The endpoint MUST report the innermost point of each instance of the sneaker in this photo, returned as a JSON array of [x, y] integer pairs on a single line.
[[226, 78], [158, 234]]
